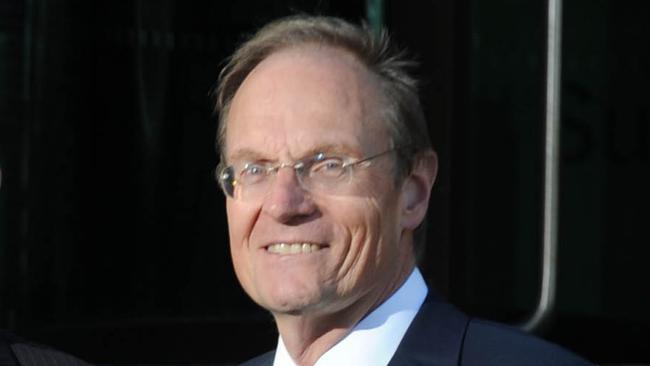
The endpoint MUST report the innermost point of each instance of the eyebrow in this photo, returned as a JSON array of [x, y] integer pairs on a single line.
[[336, 148], [246, 154]]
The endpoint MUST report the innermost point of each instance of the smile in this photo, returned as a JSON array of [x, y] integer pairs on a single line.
[[293, 248]]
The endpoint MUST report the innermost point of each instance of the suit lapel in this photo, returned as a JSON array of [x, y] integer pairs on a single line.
[[435, 336]]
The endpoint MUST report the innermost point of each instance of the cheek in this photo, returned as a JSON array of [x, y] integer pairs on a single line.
[[376, 239], [241, 219], [361, 231]]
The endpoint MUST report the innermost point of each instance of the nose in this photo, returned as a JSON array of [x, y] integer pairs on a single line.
[[287, 201]]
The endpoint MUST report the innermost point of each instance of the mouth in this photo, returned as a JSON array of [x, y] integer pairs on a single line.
[[294, 248]]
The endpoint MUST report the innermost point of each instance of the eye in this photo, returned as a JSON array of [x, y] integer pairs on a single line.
[[252, 173], [328, 167]]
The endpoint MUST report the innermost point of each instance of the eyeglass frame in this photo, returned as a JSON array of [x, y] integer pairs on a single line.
[[298, 168]]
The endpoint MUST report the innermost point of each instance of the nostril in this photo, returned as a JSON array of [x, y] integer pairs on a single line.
[[297, 220]]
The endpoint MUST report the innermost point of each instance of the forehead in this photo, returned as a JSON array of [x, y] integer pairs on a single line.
[[299, 99]]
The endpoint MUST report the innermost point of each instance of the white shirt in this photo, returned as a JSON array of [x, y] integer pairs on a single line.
[[374, 340]]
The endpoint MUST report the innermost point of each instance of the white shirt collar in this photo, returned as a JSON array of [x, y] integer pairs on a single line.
[[374, 340]]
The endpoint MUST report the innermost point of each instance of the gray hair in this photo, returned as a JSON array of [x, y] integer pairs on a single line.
[[403, 113]]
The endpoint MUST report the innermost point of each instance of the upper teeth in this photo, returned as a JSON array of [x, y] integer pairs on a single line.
[[285, 248]]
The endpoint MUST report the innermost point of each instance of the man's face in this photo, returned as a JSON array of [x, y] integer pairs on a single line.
[[294, 104]]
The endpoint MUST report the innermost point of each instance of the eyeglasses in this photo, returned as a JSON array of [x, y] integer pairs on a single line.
[[321, 173]]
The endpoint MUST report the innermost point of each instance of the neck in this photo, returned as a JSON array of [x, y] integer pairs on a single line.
[[307, 336]]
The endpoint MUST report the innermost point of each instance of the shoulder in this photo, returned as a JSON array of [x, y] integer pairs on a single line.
[[261, 360], [17, 351], [490, 343], [442, 334]]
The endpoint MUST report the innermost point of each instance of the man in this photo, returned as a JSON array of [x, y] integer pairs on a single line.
[[327, 167]]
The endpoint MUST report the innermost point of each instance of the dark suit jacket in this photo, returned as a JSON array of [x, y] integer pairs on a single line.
[[441, 335], [18, 352]]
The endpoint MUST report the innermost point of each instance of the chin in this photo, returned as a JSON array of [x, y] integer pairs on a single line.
[[291, 302]]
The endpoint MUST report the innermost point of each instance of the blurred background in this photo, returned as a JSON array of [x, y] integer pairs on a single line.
[[113, 239]]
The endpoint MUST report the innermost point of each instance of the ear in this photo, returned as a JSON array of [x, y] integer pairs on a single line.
[[416, 190]]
